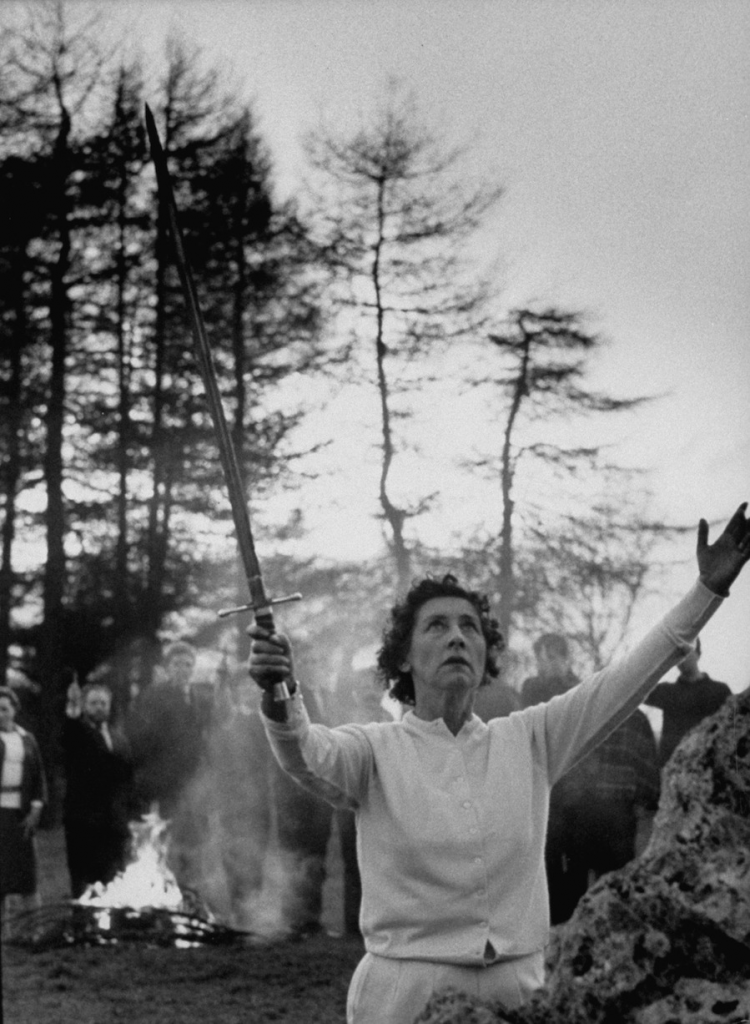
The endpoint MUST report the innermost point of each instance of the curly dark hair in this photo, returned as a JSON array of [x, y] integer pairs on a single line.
[[397, 634]]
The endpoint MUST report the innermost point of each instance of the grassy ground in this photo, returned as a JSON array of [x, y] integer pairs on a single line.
[[297, 982]]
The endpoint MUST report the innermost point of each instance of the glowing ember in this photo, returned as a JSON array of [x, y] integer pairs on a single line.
[[146, 881]]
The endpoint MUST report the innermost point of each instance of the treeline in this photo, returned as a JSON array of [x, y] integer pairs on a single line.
[[108, 460], [113, 509]]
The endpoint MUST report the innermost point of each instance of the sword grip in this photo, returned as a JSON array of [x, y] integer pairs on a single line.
[[264, 618]]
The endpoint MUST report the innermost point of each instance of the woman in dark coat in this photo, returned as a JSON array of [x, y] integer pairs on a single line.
[[23, 793]]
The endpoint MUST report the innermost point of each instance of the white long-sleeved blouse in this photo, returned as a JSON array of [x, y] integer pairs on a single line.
[[451, 829]]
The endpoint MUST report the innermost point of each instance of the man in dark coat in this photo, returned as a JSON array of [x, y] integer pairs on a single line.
[[596, 807], [554, 676], [604, 798], [692, 697], [98, 785], [167, 727]]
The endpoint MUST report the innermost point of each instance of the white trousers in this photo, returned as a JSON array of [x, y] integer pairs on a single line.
[[384, 990]]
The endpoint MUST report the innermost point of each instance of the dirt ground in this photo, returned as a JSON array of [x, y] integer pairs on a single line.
[[296, 982]]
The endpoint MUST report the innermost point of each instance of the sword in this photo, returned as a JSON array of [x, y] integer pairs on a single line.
[[260, 603]]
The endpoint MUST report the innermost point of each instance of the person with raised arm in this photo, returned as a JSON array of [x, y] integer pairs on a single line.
[[451, 811], [98, 788]]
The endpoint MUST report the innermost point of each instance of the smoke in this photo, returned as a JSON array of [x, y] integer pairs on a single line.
[[225, 843], [247, 840]]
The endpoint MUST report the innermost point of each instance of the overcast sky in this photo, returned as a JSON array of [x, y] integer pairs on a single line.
[[622, 134]]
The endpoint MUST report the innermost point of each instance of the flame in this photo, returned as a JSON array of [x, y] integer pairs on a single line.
[[147, 881]]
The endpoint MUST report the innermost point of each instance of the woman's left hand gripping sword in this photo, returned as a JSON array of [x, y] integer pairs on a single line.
[[260, 603]]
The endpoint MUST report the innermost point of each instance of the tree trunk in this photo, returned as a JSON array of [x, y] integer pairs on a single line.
[[155, 544], [51, 653], [12, 473], [507, 473], [395, 517], [121, 602]]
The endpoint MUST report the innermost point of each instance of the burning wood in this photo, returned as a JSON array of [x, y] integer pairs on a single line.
[[143, 903], [147, 881]]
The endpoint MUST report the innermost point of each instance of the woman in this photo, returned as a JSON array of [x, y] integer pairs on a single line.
[[23, 793], [451, 811]]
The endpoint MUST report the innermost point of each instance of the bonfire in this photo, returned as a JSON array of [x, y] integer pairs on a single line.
[[147, 882], [144, 903]]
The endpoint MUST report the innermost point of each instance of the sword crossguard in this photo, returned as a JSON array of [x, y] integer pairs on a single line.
[[224, 612]]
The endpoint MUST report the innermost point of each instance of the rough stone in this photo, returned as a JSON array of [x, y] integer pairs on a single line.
[[666, 940], [698, 1002], [451, 1005]]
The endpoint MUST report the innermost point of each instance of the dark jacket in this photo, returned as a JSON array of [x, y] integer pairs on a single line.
[[538, 690], [98, 780], [623, 769], [496, 700], [166, 729], [33, 778], [685, 704]]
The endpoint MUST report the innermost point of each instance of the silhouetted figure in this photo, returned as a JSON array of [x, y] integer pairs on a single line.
[[167, 728], [496, 701], [98, 788], [238, 795], [554, 676], [595, 807], [693, 696], [602, 800], [303, 829]]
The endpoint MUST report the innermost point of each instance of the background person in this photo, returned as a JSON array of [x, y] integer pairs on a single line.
[[167, 729], [555, 676], [23, 794], [304, 823], [693, 696], [596, 809], [98, 788], [603, 801], [451, 812], [496, 701], [238, 795]]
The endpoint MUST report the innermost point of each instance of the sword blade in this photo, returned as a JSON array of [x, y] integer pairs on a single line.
[[227, 454]]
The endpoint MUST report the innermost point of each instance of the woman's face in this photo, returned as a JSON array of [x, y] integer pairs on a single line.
[[7, 714], [447, 647]]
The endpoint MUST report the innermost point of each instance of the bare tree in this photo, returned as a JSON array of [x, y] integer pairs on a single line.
[[393, 213], [585, 576], [543, 356]]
